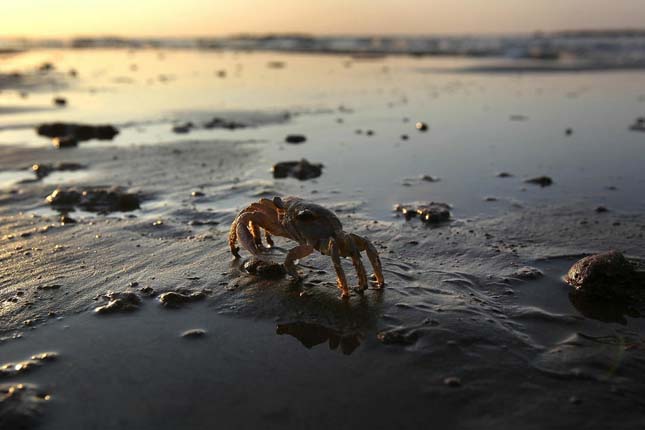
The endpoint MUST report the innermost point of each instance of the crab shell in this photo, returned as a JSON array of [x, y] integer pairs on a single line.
[[313, 227]]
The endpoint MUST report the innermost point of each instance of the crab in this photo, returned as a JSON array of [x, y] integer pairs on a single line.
[[313, 227]]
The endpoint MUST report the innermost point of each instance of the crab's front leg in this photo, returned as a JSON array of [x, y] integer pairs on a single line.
[[300, 251], [353, 251], [365, 245], [341, 279]]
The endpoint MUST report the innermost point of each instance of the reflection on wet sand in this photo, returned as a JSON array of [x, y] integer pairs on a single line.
[[311, 335], [603, 310]]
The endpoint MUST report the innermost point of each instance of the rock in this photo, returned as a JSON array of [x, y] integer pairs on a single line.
[[224, 123], [295, 138], [66, 219], [638, 125], [606, 275], [21, 405], [527, 273], [301, 170], [174, 299], [429, 178], [125, 301], [397, 337], [101, 200], [543, 181], [78, 132], [421, 126], [504, 175], [265, 269], [568, 132], [44, 170], [197, 194], [601, 209], [60, 101], [452, 381], [183, 128], [194, 333], [431, 213]]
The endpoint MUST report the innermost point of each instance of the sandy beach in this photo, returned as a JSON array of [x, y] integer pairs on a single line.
[[475, 327]]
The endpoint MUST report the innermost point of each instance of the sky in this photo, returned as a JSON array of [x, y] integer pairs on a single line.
[[64, 18]]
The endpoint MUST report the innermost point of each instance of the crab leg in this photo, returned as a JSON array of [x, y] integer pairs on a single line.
[[244, 234], [232, 238], [257, 235], [341, 279], [300, 251], [358, 265], [365, 245]]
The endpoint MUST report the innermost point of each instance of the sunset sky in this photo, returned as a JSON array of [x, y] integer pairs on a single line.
[[222, 17]]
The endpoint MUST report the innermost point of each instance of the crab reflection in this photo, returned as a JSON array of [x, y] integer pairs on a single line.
[[311, 335]]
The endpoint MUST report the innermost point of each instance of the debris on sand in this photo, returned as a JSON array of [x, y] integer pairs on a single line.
[[21, 405], [428, 178], [43, 170], [638, 125], [60, 101], [528, 273], [224, 123], [452, 381], [195, 333], [101, 200], [431, 213], [183, 128], [397, 337], [606, 275], [421, 126], [543, 181], [301, 170], [13, 369], [64, 142], [295, 138], [174, 299], [77, 132], [264, 269], [125, 301], [504, 175]]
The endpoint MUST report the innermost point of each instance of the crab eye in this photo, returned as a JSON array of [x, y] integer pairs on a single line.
[[305, 215]]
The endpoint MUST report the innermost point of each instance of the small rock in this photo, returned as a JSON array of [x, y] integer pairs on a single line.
[[301, 170], [543, 181], [174, 299], [607, 275], [125, 301], [528, 273], [60, 101], [264, 269], [194, 333], [601, 209], [452, 381], [504, 175], [295, 138], [421, 126]]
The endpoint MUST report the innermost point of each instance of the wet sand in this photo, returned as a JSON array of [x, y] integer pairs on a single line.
[[457, 339]]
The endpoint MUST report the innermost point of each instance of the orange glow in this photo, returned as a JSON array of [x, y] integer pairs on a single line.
[[56, 18]]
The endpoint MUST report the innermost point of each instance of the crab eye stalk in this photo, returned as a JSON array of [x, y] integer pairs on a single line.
[[305, 215]]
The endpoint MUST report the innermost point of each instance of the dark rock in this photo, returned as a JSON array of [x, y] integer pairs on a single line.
[[44, 170], [528, 273], [295, 138], [125, 301], [421, 126], [183, 128], [607, 275], [174, 299], [66, 219], [101, 200], [568, 132], [504, 175], [431, 213], [301, 170], [601, 209], [543, 181], [60, 101], [264, 269], [429, 178], [404, 137], [639, 125], [194, 333], [452, 381], [224, 123], [78, 132], [197, 194]]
